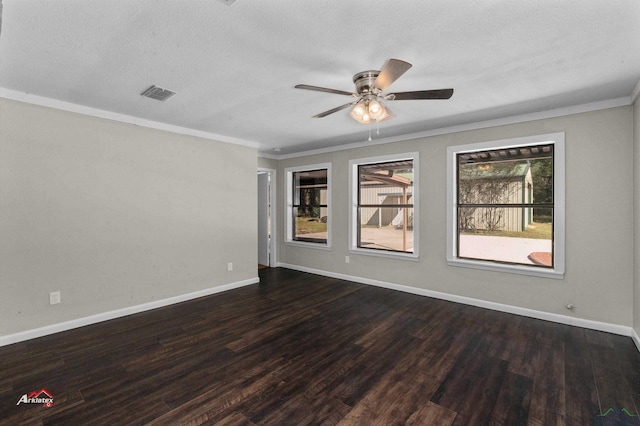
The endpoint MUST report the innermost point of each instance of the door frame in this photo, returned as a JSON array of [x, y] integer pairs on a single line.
[[273, 240]]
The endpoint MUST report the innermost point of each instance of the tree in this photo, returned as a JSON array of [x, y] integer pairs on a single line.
[[485, 183], [542, 175]]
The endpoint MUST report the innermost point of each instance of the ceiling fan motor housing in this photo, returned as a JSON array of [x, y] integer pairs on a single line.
[[364, 82]]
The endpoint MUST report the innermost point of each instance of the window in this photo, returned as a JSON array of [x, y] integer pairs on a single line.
[[308, 198], [506, 205], [384, 204]]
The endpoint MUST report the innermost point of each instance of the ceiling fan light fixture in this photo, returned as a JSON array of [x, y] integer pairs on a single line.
[[384, 114], [360, 113], [359, 110], [361, 116], [365, 111], [376, 109]]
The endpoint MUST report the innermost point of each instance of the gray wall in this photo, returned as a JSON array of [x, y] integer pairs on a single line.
[[267, 163], [115, 215], [599, 221]]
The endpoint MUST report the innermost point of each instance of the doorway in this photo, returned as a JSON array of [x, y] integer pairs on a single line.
[[266, 218]]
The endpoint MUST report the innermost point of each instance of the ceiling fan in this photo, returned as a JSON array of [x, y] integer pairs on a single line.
[[367, 104]]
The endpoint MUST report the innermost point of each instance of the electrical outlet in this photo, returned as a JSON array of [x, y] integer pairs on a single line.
[[346, 259], [230, 266], [54, 298]]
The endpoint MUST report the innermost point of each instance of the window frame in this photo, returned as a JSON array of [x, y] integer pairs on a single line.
[[289, 236], [353, 203], [558, 238]]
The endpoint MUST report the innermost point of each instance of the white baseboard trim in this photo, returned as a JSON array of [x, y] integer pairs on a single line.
[[636, 338], [531, 313], [105, 316]]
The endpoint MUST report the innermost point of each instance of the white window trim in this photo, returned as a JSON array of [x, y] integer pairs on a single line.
[[559, 206], [353, 203], [289, 205]]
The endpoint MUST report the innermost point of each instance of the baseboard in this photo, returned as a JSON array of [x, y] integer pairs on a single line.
[[105, 316], [636, 338], [531, 313]]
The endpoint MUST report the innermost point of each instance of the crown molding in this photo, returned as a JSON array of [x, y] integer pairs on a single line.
[[522, 118], [122, 118]]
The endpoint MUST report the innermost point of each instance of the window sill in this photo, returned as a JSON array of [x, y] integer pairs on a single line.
[[317, 246], [513, 269], [387, 254]]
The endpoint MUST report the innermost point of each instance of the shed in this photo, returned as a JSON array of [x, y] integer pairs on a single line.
[[497, 183]]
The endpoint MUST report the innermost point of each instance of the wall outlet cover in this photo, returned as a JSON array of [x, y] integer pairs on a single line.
[[54, 298]]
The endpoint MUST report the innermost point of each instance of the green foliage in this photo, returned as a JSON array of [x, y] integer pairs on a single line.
[[486, 183], [309, 226], [542, 175], [536, 230], [308, 198]]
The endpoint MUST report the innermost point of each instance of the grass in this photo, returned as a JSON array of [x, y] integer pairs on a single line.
[[542, 231], [308, 225], [539, 231]]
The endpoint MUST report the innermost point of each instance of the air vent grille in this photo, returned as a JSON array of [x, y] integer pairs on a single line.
[[158, 93]]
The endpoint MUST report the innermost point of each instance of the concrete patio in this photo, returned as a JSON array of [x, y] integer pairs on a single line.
[[504, 249]]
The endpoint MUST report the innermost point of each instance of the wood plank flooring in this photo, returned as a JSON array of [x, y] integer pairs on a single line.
[[302, 349]]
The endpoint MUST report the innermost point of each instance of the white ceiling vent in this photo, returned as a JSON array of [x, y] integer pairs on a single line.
[[158, 93]]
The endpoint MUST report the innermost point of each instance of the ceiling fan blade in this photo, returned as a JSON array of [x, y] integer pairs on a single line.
[[331, 111], [390, 72], [324, 89], [420, 94]]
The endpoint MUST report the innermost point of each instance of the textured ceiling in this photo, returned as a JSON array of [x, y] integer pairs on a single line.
[[234, 68]]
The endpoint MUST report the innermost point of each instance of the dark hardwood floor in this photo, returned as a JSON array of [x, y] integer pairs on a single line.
[[304, 349]]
